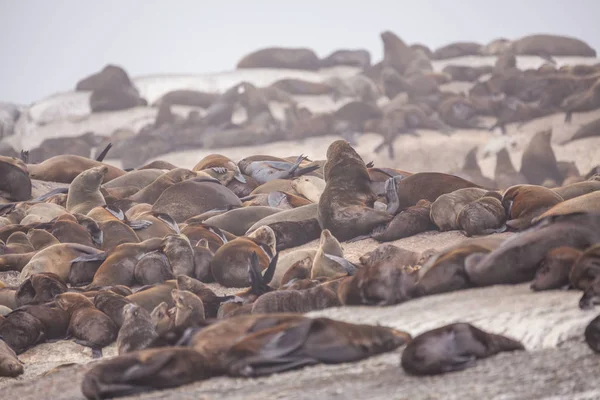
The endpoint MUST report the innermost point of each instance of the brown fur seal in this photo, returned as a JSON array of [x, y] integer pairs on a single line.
[[280, 57], [472, 172], [39, 289], [189, 309], [577, 189], [209, 299], [556, 45], [483, 216], [511, 263], [187, 199], [150, 193], [16, 184], [592, 334], [453, 347], [354, 58], [55, 321], [111, 304], [56, 259], [145, 370], [137, 331], [505, 173], [589, 203], [119, 265], [538, 162], [150, 297], [445, 209], [553, 272], [239, 220], [346, 205], [84, 192], [40, 239], [303, 213], [230, 262], [290, 234], [152, 268], [412, 221], [10, 365], [523, 203], [591, 129], [396, 53], [428, 186], [21, 330], [313, 338], [90, 326], [137, 179], [293, 299], [219, 161], [65, 168]]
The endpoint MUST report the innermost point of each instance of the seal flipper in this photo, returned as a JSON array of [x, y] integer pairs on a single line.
[[359, 238], [104, 152], [391, 192], [239, 177], [139, 225], [150, 366], [349, 267]]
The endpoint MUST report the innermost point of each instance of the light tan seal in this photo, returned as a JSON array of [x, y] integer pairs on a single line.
[[84, 192], [65, 168]]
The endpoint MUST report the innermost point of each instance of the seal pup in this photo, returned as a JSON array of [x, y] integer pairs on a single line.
[[230, 262], [137, 330], [453, 347], [220, 161], [151, 296], [84, 192], [189, 309], [483, 216], [10, 365], [409, 222], [39, 289], [538, 162], [323, 266], [146, 370], [346, 205], [446, 208], [290, 234], [112, 304], [90, 326], [553, 272], [21, 330]]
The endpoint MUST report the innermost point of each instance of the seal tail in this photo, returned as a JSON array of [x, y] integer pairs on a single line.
[[101, 156]]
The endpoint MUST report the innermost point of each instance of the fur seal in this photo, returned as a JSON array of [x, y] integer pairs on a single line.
[[412, 221], [16, 184], [151, 296], [581, 204], [187, 199], [39, 289], [21, 330], [239, 220], [472, 172], [577, 189], [209, 299], [353, 58], [592, 334], [445, 209], [290, 234], [313, 338], [55, 321], [230, 262], [84, 192], [119, 265], [65, 168], [10, 365], [510, 264], [138, 179], [189, 309], [523, 203], [112, 304], [428, 186], [280, 57], [56, 259], [346, 205], [505, 173], [137, 331], [453, 347], [146, 370], [90, 326], [553, 272], [396, 53], [538, 162], [219, 161], [556, 45], [483, 216], [186, 97], [591, 129], [264, 171], [457, 49], [322, 265], [150, 193], [303, 213], [153, 268]]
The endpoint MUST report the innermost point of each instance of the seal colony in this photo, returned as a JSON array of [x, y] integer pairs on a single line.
[[140, 257]]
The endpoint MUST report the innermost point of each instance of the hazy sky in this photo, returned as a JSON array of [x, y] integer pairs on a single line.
[[47, 45]]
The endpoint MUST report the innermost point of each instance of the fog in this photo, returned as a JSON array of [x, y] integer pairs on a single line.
[[46, 46]]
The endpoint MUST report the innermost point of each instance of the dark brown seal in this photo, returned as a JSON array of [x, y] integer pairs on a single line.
[[111, 304], [137, 331], [592, 334], [553, 272], [290, 234], [15, 184], [538, 162], [346, 204], [523, 203], [90, 326], [144, 371], [412, 221], [453, 347], [39, 289], [10, 365]]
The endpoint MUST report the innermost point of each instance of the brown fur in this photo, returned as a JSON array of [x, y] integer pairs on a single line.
[[553, 272], [65, 168], [523, 203]]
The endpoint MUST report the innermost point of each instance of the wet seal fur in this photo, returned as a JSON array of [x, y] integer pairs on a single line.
[[453, 347]]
